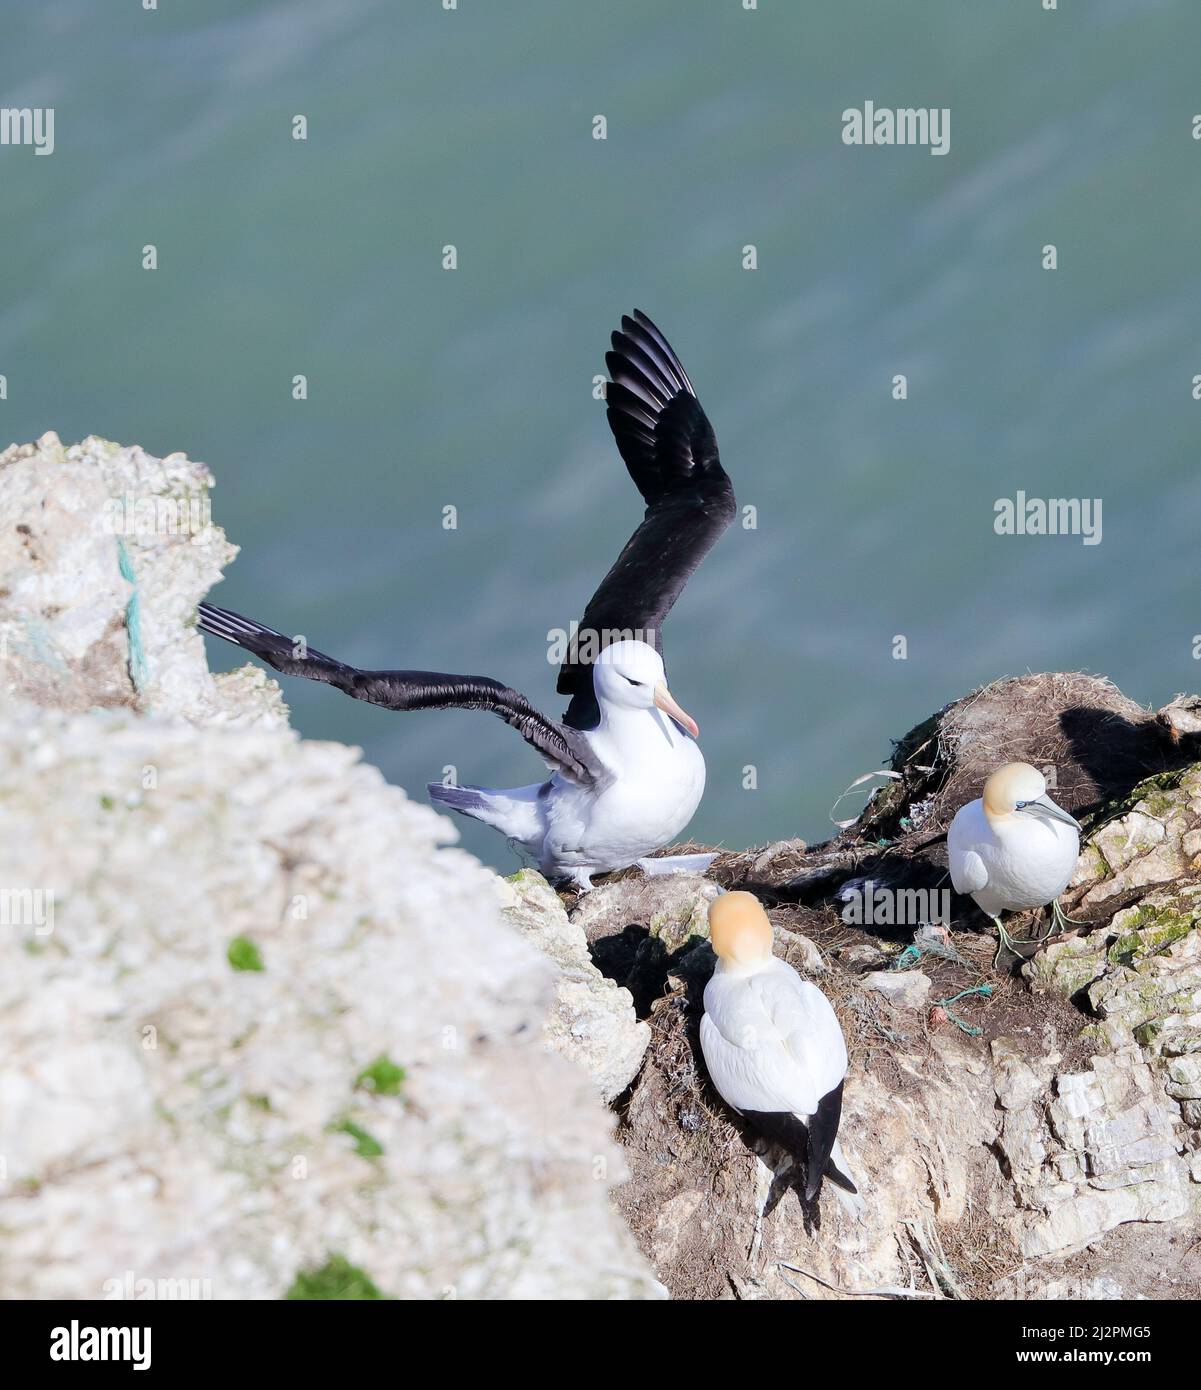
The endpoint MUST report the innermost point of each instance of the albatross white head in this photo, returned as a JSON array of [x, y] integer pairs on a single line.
[[739, 932], [1017, 789], [629, 675]]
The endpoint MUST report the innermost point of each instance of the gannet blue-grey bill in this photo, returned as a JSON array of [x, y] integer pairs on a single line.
[[1044, 806], [1013, 849], [627, 774], [772, 1042]]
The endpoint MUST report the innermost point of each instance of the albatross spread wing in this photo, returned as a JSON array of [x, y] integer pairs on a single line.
[[561, 747], [671, 453]]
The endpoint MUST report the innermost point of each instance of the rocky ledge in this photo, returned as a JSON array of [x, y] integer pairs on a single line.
[[1022, 1131]]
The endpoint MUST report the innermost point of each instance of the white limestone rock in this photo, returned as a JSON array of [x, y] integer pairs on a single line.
[[904, 989], [256, 1019], [592, 1021]]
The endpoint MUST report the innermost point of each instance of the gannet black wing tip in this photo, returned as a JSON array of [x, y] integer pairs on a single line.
[[840, 1179], [823, 1130]]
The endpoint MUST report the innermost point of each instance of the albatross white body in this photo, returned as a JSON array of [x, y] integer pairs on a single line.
[[658, 783], [651, 782]]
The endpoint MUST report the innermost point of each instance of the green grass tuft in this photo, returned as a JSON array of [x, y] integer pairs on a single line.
[[243, 954], [365, 1145], [382, 1078], [336, 1279]]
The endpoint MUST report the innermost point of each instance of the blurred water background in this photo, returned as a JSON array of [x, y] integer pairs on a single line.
[[474, 388]]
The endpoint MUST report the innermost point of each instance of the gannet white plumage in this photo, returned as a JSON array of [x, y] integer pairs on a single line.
[[627, 774], [772, 1042], [1013, 848]]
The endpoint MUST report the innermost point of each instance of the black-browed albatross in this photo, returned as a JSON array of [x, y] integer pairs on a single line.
[[627, 774]]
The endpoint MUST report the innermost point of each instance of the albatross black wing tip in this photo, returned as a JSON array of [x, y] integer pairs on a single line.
[[243, 632], [658, 424], [645, 327], [633, 426], [288, 655], [670, 452]]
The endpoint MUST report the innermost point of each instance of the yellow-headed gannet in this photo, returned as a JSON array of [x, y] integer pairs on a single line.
[[772, 1042], [1013, 848], [627, 775]]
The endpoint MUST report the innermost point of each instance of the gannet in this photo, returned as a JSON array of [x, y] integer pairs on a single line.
[[772, 1043], [1013, 848], [627, 773]]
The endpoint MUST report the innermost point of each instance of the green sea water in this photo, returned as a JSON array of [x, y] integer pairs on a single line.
[[473, 388]]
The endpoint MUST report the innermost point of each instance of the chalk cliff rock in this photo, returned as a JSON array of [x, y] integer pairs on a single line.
[[592, 1020], [261, 1032]]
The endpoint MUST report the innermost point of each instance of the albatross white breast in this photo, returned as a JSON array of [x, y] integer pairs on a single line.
[[627, 771], [772, 1043]]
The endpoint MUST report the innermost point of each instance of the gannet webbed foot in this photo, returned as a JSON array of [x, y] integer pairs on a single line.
[[1005, 942], [1060, 920]]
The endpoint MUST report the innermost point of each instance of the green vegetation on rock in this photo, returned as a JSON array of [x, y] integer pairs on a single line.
[[1149, 931], [336, 1279], [365, 1145], [243, 954], [382, 1078]]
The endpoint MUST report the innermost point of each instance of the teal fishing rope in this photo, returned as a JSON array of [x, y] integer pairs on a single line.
[[985, 990], [913, 954], [909, 956], [133, 621]]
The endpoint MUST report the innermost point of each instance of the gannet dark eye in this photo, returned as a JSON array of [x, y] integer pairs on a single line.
[[632, 681], [1021, 806]]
